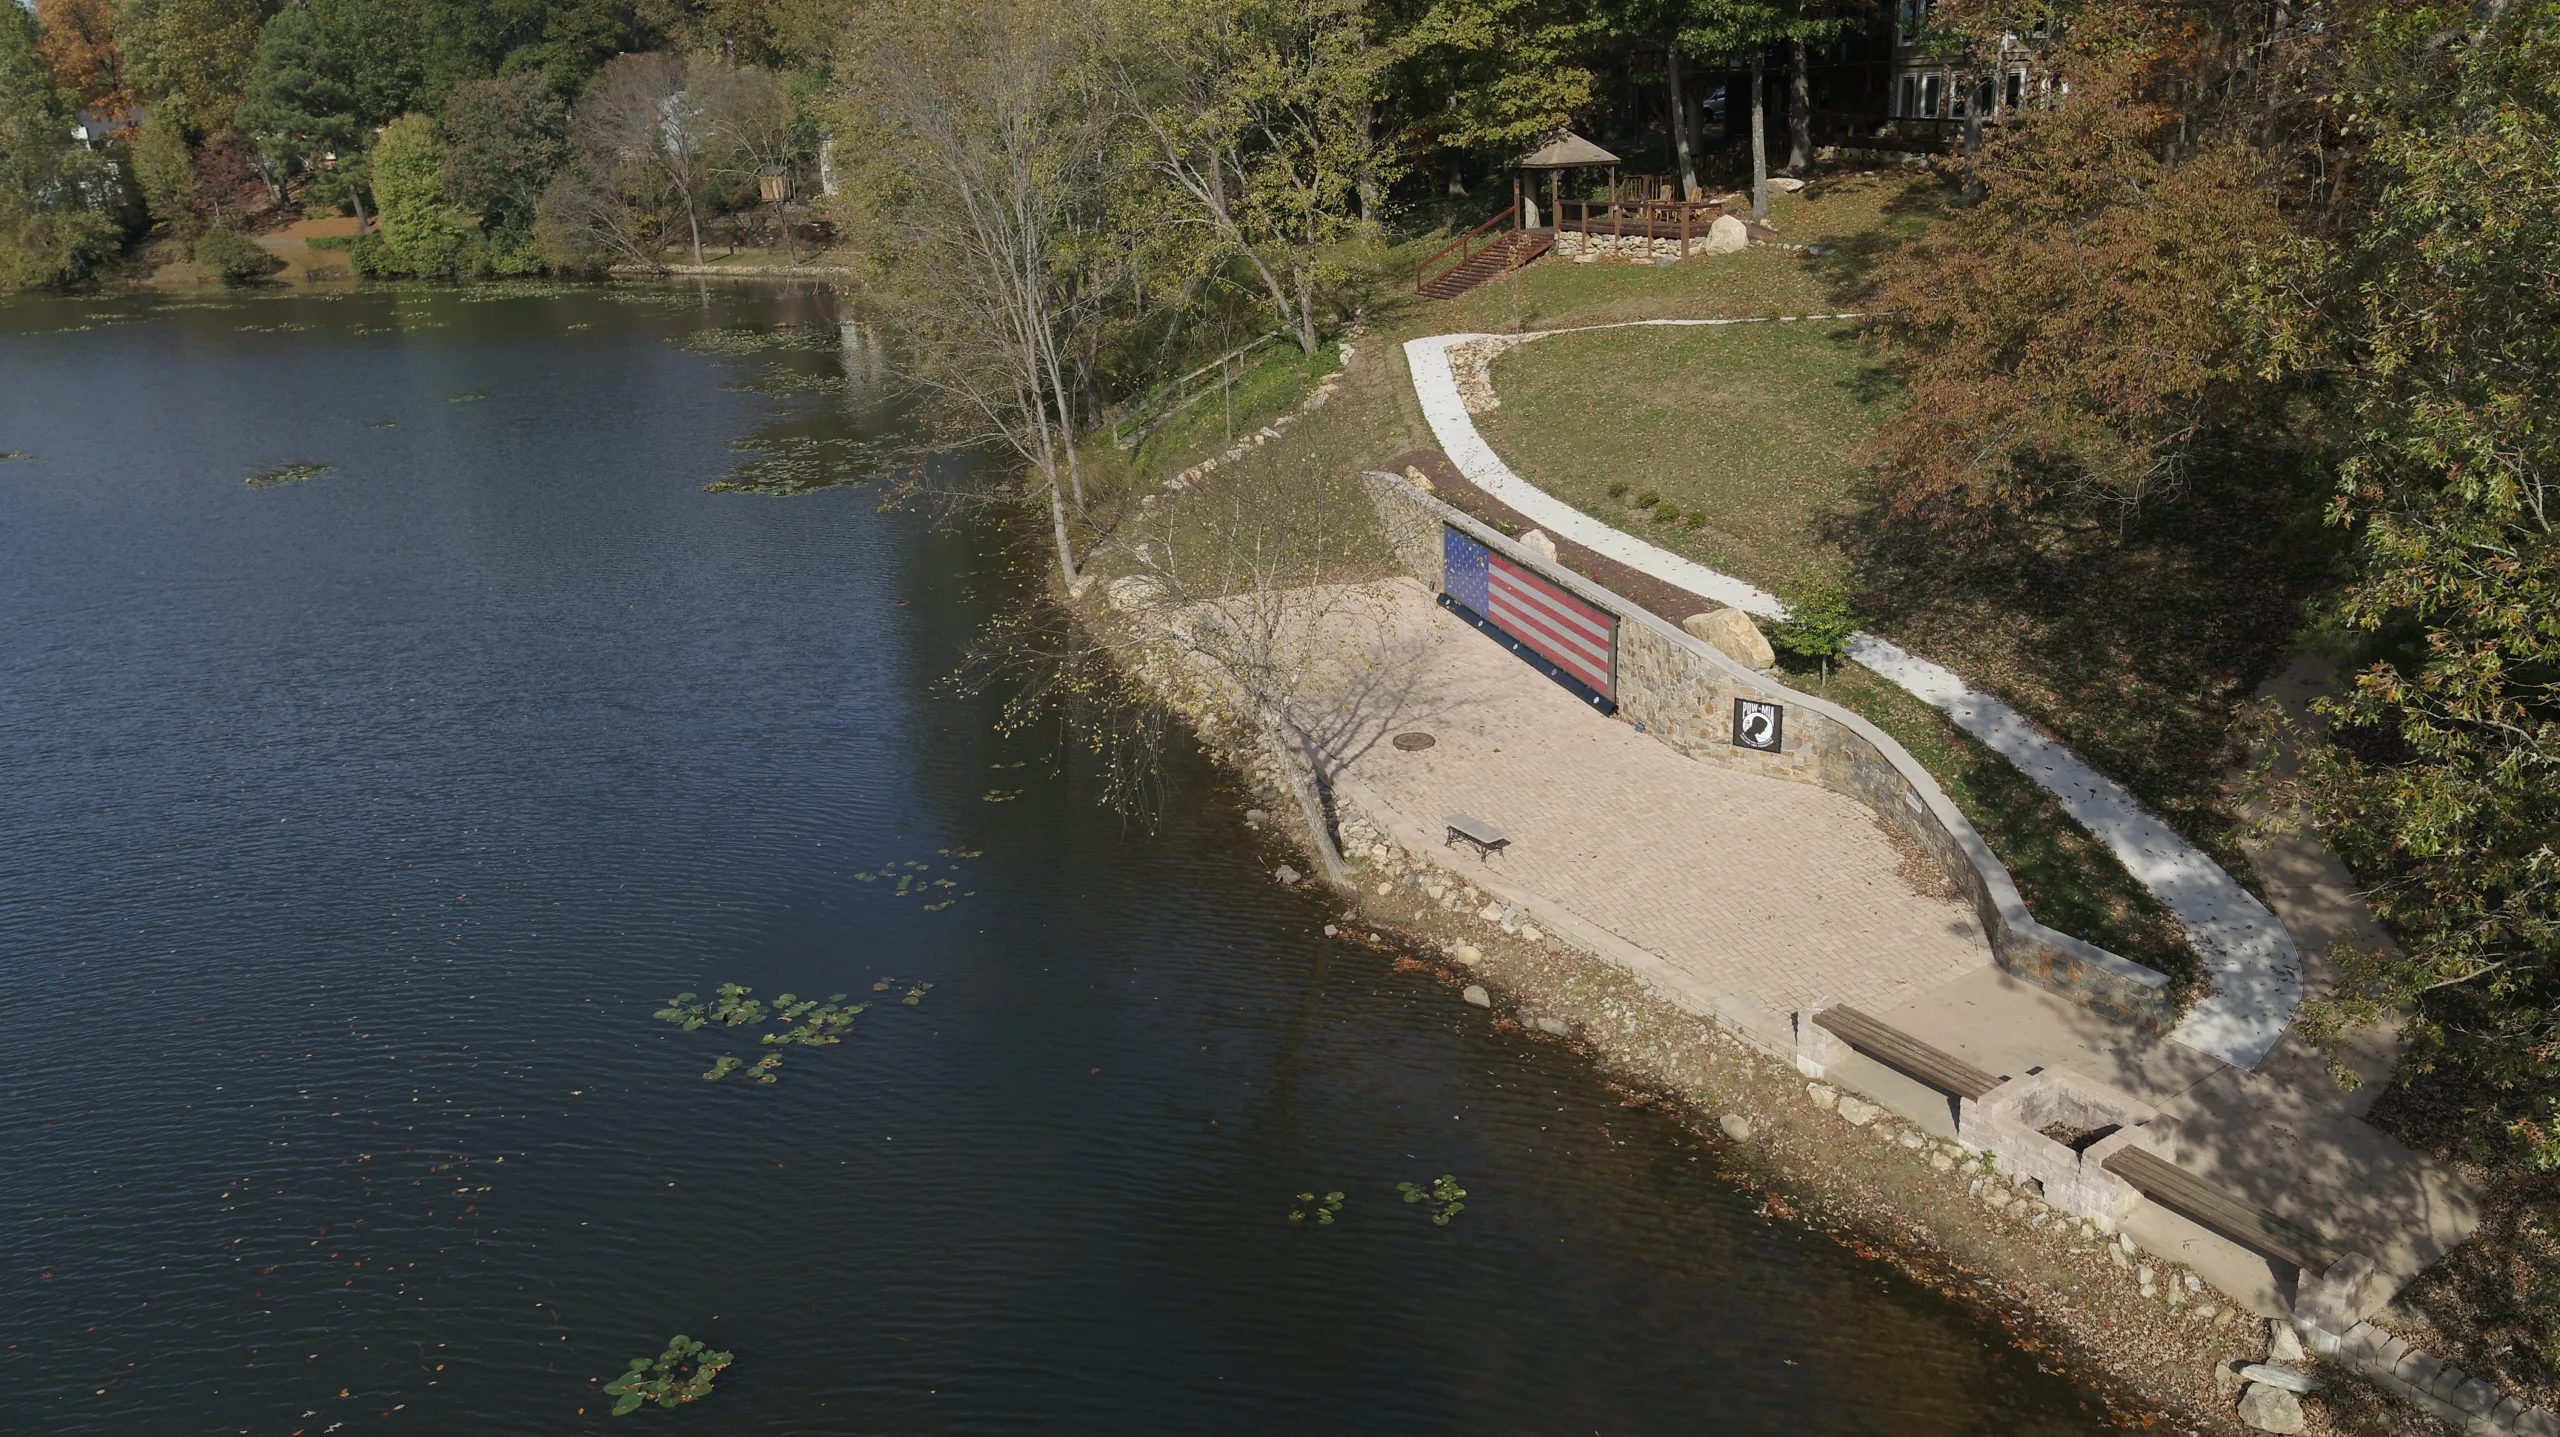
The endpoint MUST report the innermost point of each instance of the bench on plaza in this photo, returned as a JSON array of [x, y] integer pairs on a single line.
[[1486, 839], [2234, 1217], [1900, 1051]]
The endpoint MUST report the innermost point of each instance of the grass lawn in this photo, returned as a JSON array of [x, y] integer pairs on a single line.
[[1749, 432]]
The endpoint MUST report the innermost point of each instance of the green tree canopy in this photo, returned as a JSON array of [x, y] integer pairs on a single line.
[[2436, 324], [301, 98], [56, 200]]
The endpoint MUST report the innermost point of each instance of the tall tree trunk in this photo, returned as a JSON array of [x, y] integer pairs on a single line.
[[1799, 108], [694, 220], [1759, 141], [1058, 528], [1680, 119]]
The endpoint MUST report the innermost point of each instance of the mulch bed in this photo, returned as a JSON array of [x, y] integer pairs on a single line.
[[1668, 601]]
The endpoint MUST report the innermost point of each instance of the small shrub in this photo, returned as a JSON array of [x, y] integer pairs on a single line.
[[1697, 519], [1819, 621], [1665, 512], [1647, 498], [1619, 489], [234, 256]]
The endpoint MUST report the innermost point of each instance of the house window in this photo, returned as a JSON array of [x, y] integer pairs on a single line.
[[1931, 87], [2017, 88], [1907, 103], [1956, 102], [1910, 18]]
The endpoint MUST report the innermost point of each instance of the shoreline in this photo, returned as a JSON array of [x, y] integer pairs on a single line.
[[2151, 1341], [1853, 1172]]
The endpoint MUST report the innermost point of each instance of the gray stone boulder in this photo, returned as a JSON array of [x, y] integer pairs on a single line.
[[1858, 1113], [1731, 633], [2270, 1409], [2275, 1374], [1736, 1127], [1476, 994], [1555, 1027], [1537, 542], [1727, 236], [1285, 874]]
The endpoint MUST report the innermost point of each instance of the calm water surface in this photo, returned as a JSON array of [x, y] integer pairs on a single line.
[[352, 829]]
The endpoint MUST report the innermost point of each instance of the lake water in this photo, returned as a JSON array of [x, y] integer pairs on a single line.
[[354, 828]]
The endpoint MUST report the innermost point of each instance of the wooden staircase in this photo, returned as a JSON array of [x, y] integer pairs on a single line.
[[1486, 252]]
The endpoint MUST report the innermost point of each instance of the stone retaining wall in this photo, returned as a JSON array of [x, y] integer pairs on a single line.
[[1682, 691]]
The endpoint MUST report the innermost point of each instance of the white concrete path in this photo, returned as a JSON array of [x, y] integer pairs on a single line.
[[2257, 973]]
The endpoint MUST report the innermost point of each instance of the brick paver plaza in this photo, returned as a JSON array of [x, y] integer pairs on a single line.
[[1777, 891]]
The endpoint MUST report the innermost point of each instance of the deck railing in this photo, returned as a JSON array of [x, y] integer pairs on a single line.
[[1646, 219], [1461, 245]]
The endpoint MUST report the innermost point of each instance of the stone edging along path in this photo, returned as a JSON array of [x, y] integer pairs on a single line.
[[2257, 973]]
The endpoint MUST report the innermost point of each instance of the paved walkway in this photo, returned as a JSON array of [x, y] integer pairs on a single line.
[[2256, 969]]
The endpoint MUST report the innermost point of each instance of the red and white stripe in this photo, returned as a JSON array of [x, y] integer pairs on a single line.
[[1572, 635]]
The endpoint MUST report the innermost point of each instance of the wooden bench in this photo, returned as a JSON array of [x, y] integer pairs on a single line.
[[1488, 840], [2234, 1217], [1899, 1050]]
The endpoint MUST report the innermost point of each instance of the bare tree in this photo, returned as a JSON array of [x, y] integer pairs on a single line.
[[988, 159], [1258, 113], [639, 134]]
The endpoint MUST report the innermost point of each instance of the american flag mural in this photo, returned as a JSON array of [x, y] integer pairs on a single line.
[[1578, 639]]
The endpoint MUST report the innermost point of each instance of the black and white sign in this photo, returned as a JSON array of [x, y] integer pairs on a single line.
[[1758, 725]]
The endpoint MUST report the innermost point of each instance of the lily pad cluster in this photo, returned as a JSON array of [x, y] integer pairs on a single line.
[[806, 463], [1323, 1210], [1443, 1195], [779, 379], [739, 340], [914, 878], [915, 991], [681, 1374], [805, 1021], [289, 474]]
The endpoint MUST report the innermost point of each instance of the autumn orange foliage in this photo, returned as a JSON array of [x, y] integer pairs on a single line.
[[2070, 340], [78, 42]]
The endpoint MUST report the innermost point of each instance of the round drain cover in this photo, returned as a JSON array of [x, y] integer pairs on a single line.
[[1414, 742]]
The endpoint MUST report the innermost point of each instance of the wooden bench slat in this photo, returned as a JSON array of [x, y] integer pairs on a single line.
[[2227, 1213], [1893, 1047]]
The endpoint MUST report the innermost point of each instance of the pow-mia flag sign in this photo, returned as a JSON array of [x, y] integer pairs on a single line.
[[1758, 725]]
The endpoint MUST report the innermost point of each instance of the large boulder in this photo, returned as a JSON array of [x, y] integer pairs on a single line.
[[1733, 635], [1537, 542], [2270, 1409], [1727, 235]]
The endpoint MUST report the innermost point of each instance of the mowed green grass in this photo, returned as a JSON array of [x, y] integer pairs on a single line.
[[1752, 432]]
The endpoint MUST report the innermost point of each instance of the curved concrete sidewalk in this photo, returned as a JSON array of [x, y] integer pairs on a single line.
[[2257, 973]]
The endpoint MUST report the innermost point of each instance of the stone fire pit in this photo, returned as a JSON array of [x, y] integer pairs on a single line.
[[2059, 1128]]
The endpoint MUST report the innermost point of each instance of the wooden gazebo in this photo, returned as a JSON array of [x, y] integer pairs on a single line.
[[1567, 151]]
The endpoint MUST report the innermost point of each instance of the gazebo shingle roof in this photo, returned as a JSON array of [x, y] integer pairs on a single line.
[[1565, 151]]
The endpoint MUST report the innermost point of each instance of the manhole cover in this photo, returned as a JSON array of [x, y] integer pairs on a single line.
[[1414, 742]]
